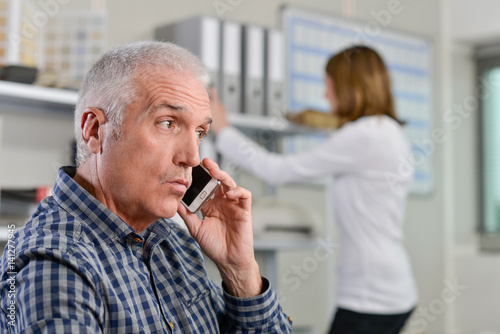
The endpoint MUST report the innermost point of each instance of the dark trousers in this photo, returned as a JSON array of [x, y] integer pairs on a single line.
[[349, 322]]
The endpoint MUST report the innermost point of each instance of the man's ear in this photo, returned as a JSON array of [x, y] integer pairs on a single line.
[[91, 123]]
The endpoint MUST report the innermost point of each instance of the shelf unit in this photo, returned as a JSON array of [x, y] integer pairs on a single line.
[[20, 97], [255, 122], [261, 244], [270, 249], [37, 93], [277, 124], [281, 127]]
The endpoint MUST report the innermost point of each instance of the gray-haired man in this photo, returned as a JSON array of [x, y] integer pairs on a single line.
[[99, 255]]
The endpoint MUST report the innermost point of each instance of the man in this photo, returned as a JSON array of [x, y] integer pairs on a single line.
[[98, 256]]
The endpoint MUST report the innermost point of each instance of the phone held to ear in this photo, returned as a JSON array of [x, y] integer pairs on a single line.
[[202, 188]]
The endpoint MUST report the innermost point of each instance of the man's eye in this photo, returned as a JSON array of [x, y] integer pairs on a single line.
[[201, 134], [167, 124]]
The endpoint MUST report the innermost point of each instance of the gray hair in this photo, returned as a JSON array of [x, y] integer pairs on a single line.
[[110, 86]]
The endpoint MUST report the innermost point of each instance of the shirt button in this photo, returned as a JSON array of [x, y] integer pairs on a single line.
[[172, 325], [137, 240]]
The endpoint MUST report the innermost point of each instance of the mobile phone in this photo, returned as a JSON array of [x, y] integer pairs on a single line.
[[202, 188]]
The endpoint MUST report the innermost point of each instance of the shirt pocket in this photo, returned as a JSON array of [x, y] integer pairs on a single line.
[[198, 313], [192, 300]]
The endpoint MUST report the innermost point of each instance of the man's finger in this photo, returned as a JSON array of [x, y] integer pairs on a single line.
[[242, 195], [226, 181], [190, 219]]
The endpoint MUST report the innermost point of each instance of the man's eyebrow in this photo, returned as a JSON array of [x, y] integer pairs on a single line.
[[208, 120], [175, 107]]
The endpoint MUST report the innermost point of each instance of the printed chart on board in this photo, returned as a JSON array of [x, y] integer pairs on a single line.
[[312, 38]]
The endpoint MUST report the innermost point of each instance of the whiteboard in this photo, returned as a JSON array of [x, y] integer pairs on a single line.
[[312, 38]]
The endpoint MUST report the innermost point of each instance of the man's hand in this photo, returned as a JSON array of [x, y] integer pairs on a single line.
[[225, 234]]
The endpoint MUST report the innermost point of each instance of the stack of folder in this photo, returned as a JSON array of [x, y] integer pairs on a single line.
[[246, 61]]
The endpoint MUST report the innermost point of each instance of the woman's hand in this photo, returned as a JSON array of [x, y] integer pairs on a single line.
[[219, 113]]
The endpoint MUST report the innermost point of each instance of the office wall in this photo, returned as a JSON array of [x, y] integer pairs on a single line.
[[466, 146], [475, 21], [471, 23], [477, 272]]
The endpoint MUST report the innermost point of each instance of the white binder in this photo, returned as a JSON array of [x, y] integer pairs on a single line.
[[230, 92], [274, 73], [201, 36], [253, 70]]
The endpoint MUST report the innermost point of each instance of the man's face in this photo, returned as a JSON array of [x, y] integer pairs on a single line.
[[145, 173]]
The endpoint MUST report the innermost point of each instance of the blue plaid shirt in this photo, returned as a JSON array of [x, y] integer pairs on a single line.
[[79, 268]]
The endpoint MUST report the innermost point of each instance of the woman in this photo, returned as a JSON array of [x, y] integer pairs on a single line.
[[376, 289]]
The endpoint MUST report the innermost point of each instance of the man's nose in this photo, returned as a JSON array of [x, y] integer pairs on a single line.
[[187, 151]]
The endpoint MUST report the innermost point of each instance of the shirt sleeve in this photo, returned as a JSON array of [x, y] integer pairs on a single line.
[[259, 314], [51, 293], [338, 154]]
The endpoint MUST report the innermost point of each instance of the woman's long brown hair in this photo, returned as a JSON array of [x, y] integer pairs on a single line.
[[362, 84]]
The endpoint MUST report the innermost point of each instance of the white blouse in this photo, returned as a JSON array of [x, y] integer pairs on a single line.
[[368, 159]]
